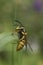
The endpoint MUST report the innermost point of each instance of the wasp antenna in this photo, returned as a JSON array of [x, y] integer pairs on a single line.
[[16, 20], [19, 22]]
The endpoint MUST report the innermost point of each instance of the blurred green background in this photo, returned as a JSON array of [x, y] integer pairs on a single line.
[[33, 23]]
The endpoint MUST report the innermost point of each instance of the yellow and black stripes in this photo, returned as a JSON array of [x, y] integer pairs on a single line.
[[21, 45]]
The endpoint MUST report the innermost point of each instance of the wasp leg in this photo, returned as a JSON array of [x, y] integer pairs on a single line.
[[26, 47], [30, 47], [26, 50]]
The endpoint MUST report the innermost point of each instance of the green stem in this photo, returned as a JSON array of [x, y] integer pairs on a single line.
[[12, 53]]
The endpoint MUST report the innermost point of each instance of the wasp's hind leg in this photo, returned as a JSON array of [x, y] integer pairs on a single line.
[[26, 47], [26, 50], [30, 48]]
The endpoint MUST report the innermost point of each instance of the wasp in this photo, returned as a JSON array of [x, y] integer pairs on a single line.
[[22, 38], [22, 35]]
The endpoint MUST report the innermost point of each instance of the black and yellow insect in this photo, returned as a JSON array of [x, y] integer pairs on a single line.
[[22, 38], [22, 34]]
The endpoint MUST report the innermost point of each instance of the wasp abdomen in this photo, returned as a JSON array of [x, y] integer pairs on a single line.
[[20, 45]]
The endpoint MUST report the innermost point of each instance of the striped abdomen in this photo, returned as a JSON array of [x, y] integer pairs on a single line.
[[21, 45]]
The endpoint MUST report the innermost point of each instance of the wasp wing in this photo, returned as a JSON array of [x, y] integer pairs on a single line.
[[28, 42]]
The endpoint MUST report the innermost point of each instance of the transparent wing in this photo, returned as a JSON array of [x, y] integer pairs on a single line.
[[29, 44]]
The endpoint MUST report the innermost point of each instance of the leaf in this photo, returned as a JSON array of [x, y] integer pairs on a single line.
[[5, 38]]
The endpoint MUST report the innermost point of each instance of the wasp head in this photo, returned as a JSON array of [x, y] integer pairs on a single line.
[[18, 28]]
